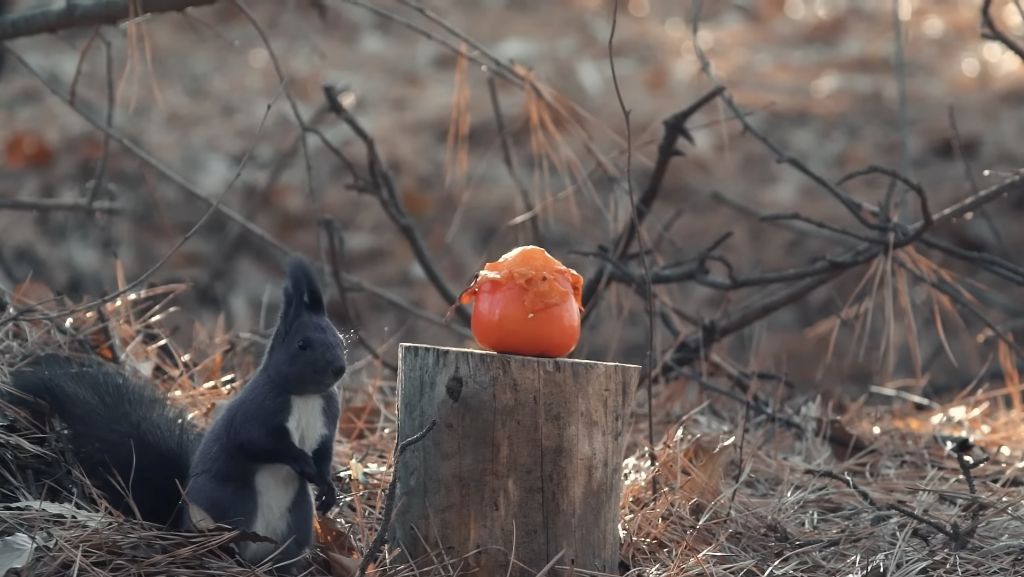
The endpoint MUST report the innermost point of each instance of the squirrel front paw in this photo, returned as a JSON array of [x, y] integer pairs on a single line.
[[326, 497]]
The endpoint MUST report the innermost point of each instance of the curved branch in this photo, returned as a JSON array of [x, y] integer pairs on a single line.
[[675, 128], [903, 238], [995, 33], [78, 14]]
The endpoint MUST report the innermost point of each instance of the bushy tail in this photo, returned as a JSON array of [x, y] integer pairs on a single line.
[[123, 434]]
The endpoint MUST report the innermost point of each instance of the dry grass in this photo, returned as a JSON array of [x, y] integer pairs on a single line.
[[736, 495], [763, 505]]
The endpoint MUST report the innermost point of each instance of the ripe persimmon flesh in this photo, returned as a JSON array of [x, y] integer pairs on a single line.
[[526, 303]]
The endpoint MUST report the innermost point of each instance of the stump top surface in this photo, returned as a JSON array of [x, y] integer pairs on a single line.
[[513, 358]]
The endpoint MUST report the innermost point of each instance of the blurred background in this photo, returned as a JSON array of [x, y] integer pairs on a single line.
[[908, 84]]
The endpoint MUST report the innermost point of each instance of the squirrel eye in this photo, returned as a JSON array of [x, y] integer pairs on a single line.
[[303, 345]]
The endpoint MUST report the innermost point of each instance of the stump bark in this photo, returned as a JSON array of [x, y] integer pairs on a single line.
[[525, 461]]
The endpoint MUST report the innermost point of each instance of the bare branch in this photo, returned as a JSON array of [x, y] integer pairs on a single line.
[[101, 168], [993, 264], [490, 64], [384, 189], [60, 204], [693, 347], [79, 14], [235, 239], [795, 226], [994, 32], [796, 216], [855, 207], [802, 225], [674, 129], [73, 91], [825, 269], [902, 238], [817, 275], [1013, 185]]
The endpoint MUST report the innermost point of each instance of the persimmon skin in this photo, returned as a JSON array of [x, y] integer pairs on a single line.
[[502, 323], [526, 303]]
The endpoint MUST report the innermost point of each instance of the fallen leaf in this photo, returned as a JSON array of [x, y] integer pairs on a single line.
[[26, 149], [333, 537]]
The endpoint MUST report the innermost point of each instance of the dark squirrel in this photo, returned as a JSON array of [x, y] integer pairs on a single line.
[[251, 470]]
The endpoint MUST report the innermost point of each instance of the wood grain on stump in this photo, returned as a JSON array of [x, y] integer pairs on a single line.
[[526, 456]]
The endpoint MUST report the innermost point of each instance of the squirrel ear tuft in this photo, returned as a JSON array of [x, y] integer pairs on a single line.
[[304, 286], [288, 307]]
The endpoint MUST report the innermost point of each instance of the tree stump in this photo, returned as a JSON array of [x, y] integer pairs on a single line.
[[525, 461]]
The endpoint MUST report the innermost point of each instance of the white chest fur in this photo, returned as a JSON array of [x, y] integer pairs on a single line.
[[306, 421], [276, 485]]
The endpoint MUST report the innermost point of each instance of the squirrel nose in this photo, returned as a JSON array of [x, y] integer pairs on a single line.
[[338, 371]]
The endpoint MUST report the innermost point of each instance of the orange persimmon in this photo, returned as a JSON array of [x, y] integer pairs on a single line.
[[526, 303]]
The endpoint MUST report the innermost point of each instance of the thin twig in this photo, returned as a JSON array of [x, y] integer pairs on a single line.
[[1012, 185], [957, 538], [283, 79], [899, 71], [73, 90], [101, 169], [794, 226], [958, 149], [649, 287], [488, 62], [999, 267], [825, 270], [795, 222], [902, 237], [495, 66], [373, 551], [384, 189], [510, 166], [335, 256]]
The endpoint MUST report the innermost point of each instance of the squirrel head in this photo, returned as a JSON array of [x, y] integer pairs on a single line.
[[306, 354]]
